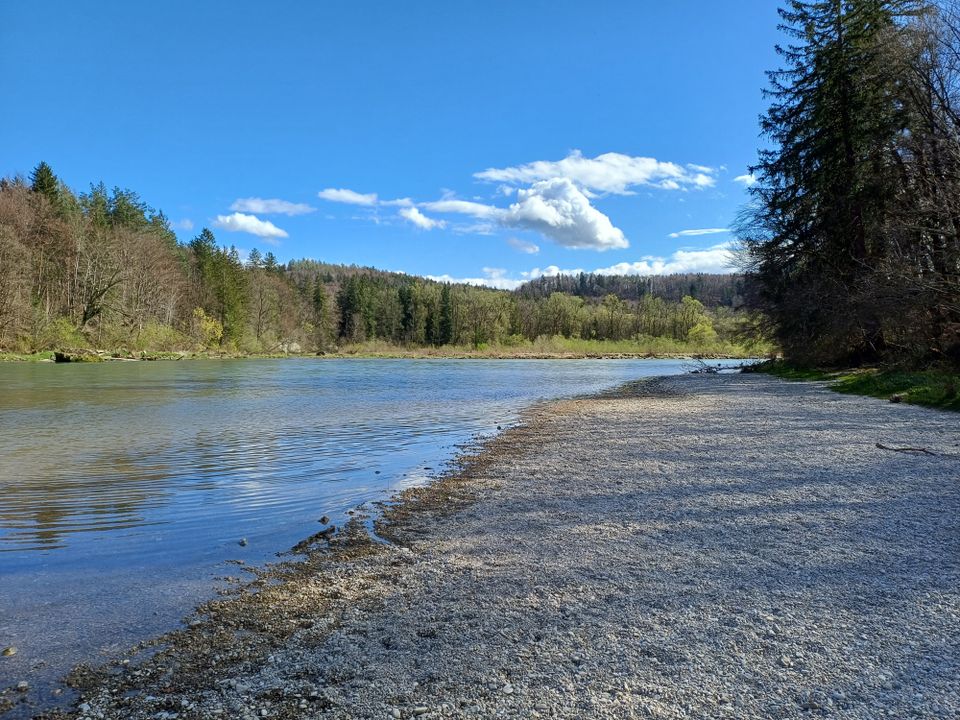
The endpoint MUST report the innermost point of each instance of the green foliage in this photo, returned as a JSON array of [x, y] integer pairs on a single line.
[[222, 285], [445, 325], [702, 334], [58, 333], [207, 331], [44, 356], [164, 338], [930, 388]]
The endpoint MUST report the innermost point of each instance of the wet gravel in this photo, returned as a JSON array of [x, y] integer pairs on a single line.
[[728, 546]]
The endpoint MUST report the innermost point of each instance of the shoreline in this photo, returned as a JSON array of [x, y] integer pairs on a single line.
[[532, 530], [104, 356]]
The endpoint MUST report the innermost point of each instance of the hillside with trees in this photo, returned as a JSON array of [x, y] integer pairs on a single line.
[[102, 269], [853, 233]]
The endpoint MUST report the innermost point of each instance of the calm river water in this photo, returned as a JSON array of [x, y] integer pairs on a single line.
[[125, 487]]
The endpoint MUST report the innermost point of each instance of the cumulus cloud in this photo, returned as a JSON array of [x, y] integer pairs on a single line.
[[614, 173], [350, 197], [556, 208], [270, 206], [746, 180], [523, 246], [701, 231], [420, 220], [559, 210], [240, 222], [185, 224]]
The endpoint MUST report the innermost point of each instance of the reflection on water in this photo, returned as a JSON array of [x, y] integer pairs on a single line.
[[110, 473]]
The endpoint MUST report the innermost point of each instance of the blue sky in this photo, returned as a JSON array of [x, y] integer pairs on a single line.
[[488, 140]]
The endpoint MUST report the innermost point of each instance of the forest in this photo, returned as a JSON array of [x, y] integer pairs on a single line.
[[852, 236], [102, 269]]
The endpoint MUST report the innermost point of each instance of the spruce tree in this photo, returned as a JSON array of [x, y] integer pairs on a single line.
[[816, 228], [44, 182], [446, 316]]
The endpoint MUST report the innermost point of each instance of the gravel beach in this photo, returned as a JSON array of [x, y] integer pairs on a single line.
[[705, 546]]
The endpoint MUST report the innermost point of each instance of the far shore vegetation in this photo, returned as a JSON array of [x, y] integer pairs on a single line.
[[556, 347], [100, 274]]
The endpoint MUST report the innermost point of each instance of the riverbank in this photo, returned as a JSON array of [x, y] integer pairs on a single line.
[[543, 348], [700, 546], [373, 354], [938, 389]]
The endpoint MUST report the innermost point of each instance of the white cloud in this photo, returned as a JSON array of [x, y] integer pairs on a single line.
[[702, 231], [239, 222], [559, 210], [479, 228], [716, 259], [494, 278], [350, 197], [185, 224], [523, 246], [421, 220], [549, 271], [556, 208], [270, 206], [464, 207], [746, 180], [399, 202], [609, 173]]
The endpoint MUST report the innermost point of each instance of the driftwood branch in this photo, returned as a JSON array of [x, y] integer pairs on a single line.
[[906, 449]]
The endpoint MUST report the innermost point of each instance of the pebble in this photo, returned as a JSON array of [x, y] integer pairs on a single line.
[[10, 651], [243, 542], [508, 689], [23, 686], [324, 520]]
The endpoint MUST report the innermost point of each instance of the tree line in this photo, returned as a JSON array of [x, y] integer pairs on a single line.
[[852, 236], [103, 269]]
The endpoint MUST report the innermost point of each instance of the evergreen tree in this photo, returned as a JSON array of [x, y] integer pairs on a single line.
[[445, 336], [270, 263], [815, 230], [321, 313], [43, 181]]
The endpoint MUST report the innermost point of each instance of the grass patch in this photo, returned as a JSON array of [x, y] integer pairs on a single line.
[[26, 357], [930, 388]]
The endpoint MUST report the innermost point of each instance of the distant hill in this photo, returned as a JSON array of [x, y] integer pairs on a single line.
[[713, 290]]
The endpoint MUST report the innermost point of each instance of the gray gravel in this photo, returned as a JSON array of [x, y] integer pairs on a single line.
[[694, 547]]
